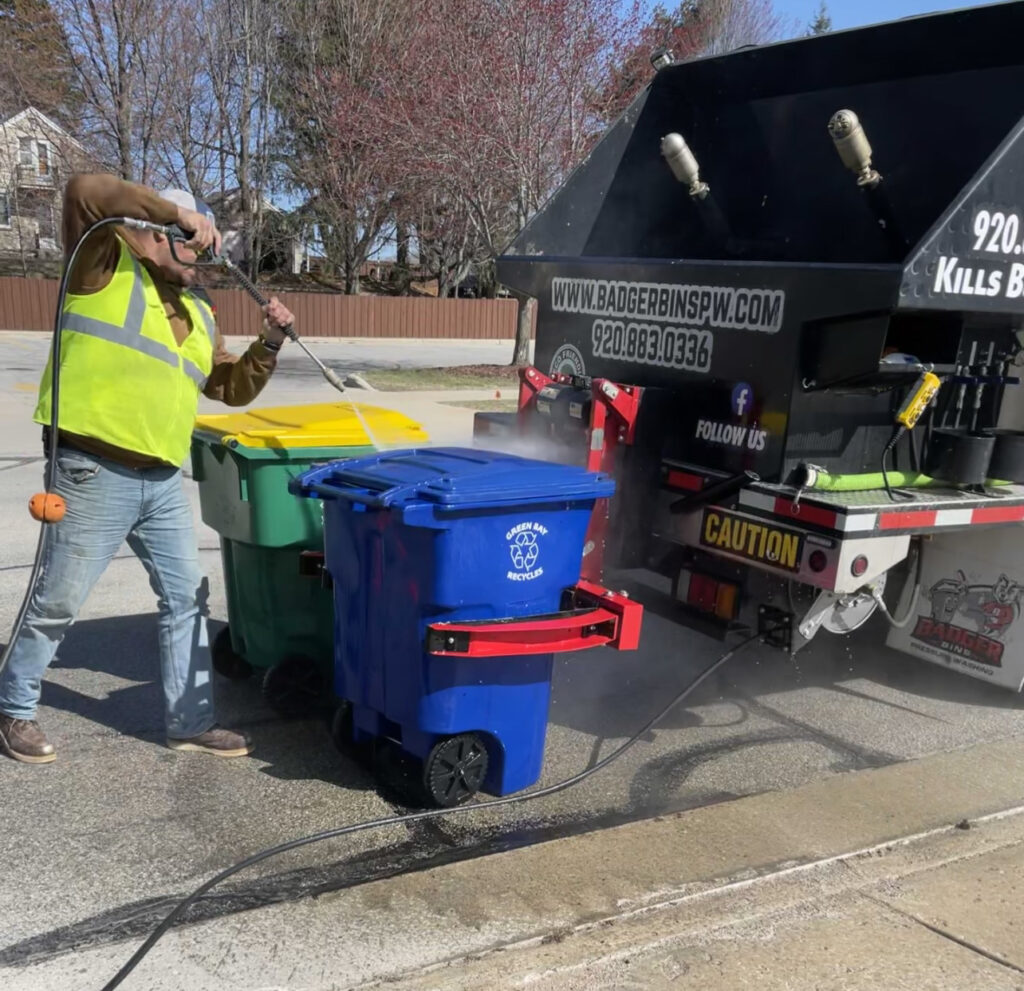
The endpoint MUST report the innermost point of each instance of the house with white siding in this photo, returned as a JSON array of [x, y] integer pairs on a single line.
[[37, 156]]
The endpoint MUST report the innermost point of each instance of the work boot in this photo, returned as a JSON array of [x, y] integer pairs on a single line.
[[216, 741], [23, 740]]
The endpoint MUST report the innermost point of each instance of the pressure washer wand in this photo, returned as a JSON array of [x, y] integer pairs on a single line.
[[240, 277], [962, 392], [222, 261], [979, 392], [289, 331]]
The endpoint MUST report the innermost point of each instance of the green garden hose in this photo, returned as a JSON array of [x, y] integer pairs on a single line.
[[813, 478]]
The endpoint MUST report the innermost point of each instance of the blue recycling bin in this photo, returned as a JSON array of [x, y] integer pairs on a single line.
[[444, 535]]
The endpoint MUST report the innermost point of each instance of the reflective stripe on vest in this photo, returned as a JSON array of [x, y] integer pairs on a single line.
[[192, 370]]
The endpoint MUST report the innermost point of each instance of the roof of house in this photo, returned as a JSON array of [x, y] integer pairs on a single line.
[[230, 198], [41, 118]]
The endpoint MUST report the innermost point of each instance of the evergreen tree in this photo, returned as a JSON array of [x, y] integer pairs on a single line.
[[822, 22], [35, 62]]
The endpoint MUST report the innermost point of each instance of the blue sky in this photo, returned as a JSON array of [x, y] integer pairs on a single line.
[[852, 13]]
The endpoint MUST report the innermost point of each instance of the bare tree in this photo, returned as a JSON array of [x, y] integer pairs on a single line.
[[188, 150], [449, 247], [122, 56], [215, 120], [241, 38], [453, 119], [725, 25]]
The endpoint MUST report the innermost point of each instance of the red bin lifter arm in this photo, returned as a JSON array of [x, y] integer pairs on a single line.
[[594, 617]]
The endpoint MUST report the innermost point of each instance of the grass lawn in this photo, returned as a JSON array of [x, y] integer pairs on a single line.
[[504, 377]]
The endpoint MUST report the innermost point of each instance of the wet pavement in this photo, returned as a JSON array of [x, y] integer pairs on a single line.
[[97, 846]]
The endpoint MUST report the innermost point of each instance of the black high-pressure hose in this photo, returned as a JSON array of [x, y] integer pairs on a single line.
[[183, 906]]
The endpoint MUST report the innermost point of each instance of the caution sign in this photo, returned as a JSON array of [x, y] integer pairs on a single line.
[[751, 539]]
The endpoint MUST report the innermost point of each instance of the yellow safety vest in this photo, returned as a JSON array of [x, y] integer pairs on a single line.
[[124, 379]]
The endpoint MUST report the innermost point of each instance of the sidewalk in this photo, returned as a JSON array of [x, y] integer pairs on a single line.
[[939, 911], [860, 882]]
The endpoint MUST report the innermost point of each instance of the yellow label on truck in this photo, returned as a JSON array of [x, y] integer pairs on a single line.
[[753, 540]]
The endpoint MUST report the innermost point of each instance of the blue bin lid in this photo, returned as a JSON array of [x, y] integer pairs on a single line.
[[450, 477]]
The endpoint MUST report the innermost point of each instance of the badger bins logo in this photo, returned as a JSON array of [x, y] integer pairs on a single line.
[[524, 548], [971, 621]]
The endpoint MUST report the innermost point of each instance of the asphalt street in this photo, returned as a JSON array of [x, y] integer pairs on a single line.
[[96, 847]]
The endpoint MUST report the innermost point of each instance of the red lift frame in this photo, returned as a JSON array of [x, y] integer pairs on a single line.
[[613, 414]]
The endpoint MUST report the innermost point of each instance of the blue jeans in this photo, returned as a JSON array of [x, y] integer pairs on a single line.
[[108, 504]]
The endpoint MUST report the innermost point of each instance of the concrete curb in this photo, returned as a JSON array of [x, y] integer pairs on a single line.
[[448, 926]]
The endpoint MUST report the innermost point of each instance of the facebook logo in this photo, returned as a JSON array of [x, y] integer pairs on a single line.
[[742, 397]]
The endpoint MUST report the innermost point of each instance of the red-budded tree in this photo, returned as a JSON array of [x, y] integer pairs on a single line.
[[497, 110]]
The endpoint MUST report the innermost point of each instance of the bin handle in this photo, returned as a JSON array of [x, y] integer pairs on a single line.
[[598, 618], [361, 496], [380, 496]]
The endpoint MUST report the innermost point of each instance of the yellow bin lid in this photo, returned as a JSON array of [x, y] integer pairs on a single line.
[[315, 425]]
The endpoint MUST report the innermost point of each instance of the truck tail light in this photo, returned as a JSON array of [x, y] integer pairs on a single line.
[[709, 595]]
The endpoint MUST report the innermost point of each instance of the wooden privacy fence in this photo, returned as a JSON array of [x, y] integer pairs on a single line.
[[28, 304]]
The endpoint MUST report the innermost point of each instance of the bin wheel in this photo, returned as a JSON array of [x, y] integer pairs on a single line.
[[455, 769], [226, 662], [295, 686], [341, 726]]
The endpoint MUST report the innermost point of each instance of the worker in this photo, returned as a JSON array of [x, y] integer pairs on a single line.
[[138, 348]]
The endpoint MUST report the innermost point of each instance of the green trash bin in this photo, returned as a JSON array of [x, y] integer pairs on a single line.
[[280, 614]]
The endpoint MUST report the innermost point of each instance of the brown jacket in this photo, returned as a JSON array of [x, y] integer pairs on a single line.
[[235, 380]]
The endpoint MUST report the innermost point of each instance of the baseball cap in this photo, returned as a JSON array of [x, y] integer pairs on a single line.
[[184, 198]]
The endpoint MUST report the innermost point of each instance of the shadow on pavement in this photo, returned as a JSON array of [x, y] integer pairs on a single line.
[[605, 694], [609, 694], [125, 649]]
